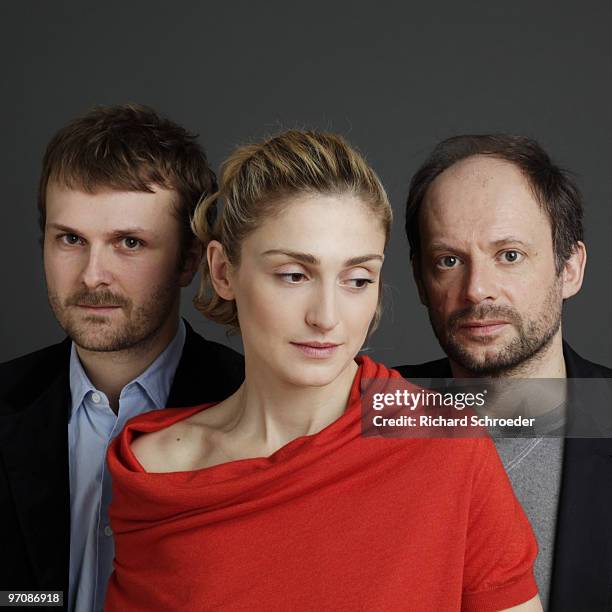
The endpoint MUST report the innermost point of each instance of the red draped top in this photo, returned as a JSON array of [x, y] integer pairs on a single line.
[[331, 521]]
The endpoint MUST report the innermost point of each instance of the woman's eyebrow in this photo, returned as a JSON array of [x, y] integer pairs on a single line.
[[354, 261], [311, 259], [304, 257]]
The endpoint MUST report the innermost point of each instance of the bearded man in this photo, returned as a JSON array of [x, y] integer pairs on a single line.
[[496, 238], [116, 195]]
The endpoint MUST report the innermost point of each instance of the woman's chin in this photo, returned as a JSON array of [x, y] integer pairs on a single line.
[[314, 373]]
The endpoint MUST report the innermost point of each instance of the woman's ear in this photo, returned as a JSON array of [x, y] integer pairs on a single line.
[[220, 270], [573, 270]]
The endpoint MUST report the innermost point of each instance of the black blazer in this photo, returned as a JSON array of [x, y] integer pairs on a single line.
[[34, 483], [582, 564]]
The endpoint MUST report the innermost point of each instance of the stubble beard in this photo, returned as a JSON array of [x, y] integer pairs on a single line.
[[100, 333], [530, 344]]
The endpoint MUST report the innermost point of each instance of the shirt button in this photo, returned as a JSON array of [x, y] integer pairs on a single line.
[[108, 531], [96, 398]]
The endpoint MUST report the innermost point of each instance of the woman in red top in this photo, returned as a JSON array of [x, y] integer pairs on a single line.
[[272, 499]]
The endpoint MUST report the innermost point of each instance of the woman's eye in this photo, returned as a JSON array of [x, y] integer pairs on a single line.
[[448, 261], [293, 278], [511, 256], [360, 283]]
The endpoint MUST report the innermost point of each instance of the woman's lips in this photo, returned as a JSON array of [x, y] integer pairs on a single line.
[[316, 350]]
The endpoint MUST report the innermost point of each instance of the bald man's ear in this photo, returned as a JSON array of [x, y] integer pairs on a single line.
[[416, 273], [572, 273]]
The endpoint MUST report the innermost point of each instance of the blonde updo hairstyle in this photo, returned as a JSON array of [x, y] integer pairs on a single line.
[[257, 180]]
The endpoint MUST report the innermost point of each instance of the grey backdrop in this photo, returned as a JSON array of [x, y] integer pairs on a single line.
[[393, 77]]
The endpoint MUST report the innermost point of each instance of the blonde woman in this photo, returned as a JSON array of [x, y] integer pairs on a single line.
[[271, 499]]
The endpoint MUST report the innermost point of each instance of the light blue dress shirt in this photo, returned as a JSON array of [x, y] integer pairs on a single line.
[[91, 428]]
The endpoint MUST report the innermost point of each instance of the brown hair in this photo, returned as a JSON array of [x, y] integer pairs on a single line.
[[129, 147], [553, 187], [253, 180]]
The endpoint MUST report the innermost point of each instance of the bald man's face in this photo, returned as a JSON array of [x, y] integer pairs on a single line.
[[487, 267]]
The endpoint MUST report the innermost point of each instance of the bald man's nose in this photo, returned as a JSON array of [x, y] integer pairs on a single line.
[[481, 282]]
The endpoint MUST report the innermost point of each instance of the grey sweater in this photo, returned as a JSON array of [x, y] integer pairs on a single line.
[[534, 468]]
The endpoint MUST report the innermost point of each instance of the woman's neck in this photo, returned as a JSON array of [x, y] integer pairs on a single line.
[[271, 412]]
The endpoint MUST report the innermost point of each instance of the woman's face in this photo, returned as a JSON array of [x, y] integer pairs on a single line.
[[307, 288]]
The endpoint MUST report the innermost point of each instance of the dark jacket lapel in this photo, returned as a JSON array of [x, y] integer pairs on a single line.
[[207, 372], [582, 572], [440, 368], [35, 455]]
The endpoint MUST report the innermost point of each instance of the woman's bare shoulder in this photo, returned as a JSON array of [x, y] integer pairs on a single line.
[[182, 445]]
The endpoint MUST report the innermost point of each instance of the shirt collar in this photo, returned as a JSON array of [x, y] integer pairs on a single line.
[[80, 385], [156, 380]]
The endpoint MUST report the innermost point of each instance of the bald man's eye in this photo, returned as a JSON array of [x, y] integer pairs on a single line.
[[511, 256], [447, 262]]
